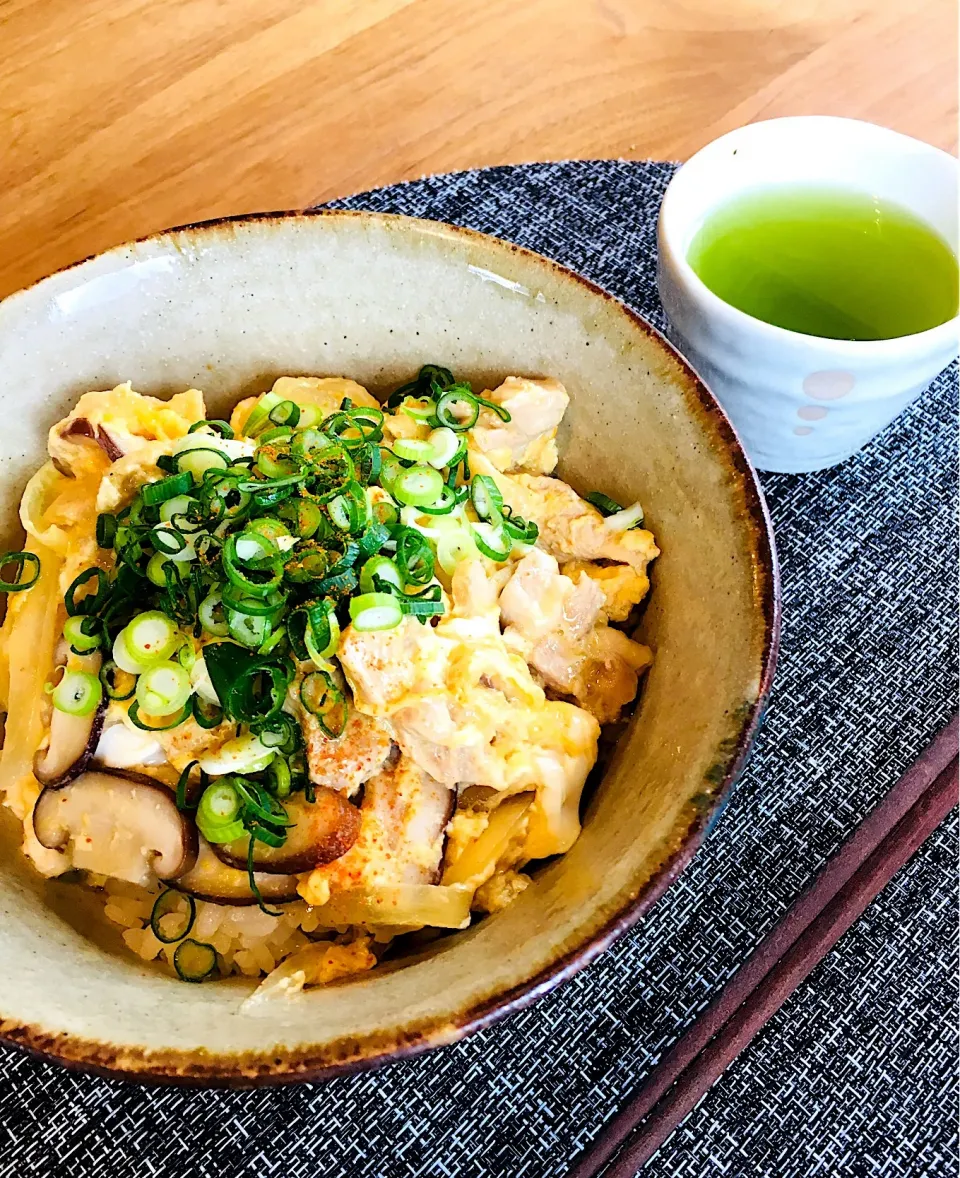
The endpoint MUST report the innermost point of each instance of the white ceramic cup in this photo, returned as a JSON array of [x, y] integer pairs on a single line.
[[802, 402]]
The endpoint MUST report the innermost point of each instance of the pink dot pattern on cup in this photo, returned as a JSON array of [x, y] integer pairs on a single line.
[[828, 384], [802, 430], [812, 412]]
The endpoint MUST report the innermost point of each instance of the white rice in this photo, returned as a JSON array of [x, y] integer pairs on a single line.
[[247, 941]]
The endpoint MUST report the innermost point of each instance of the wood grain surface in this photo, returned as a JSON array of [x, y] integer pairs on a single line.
[[122, 117]]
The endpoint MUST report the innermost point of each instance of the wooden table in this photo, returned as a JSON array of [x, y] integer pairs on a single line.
[[121, 117]]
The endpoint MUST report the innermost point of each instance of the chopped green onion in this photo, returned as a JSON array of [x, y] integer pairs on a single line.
[[163, 689], [375, 611], [248, 629], [166, 912], [89, 603], [207, 715], [77, 631], [77, 693], [322, 633], [212, 426], [630, 517], [603, 503], [418, 486], [106, 529], [169, 488], [503, 414], [443, 504], [458, 409], [185, 795], [149, 638], [415, 557], [493, 541], [519, 530], [379, 570], [107, 677], [260, 414], [211, 615], [286, 413], [200, 459], [486, 498], [178, 512], [445, 445], [419, 408], [219, 804], [20, 560], [453, 547], [413, 449], [322, 698], [174, 722], [158, 567], [194, 961]]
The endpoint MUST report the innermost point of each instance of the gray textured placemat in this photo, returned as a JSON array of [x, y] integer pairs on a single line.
[[855, 1075]]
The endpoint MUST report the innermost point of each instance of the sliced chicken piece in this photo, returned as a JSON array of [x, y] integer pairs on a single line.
[[345, 763], [326, 392], [622, 586], [599, 672], [538, 600], [570, 528], [528, 440], [403, 819], [559, 628]]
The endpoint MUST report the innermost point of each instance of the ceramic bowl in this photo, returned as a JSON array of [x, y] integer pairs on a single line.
[[229, 306]]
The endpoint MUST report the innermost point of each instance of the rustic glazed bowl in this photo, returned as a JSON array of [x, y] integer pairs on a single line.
[[229, 306]]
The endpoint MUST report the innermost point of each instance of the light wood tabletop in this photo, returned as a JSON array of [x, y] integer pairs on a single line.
[[122, 117]]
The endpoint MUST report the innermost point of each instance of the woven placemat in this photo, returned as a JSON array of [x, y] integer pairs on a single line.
[[855, 1075]]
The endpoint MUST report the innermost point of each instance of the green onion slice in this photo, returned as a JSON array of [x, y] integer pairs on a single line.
[[414, 557], [172, 916], [149, 638], [603, 503], [163, 689], [194, 961], [375, 611], [90, 603], [211, 615], [77, 693], [83, 633], [418, 486], [377, 572], [108, 673], [134, 714], [458, 409], [19, 562], [413, 449], [169, 488], [212, 426], [492, 540], [486, 498], [106, 529]]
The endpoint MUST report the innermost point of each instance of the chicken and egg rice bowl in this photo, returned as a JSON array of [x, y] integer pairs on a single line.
[[288, 686]]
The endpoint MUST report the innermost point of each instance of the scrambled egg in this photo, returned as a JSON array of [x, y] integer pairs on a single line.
[[505, 691]]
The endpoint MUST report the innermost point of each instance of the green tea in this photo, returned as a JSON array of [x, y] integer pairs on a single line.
[[827, 261]]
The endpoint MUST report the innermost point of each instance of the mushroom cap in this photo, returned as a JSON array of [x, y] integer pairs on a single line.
[[73, 739], [322, 831], [209, 878], [122, 825]]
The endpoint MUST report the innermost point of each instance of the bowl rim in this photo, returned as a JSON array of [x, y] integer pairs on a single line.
[[199, 1069]]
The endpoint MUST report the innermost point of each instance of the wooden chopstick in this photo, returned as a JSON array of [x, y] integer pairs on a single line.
[[849, 881]]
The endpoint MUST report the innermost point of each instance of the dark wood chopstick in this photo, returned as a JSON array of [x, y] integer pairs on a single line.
[[850, 880]]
